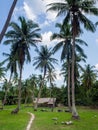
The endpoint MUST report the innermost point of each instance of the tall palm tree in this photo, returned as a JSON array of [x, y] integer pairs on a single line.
[[44, 61], [8, 20], [21, 37], [65, 37], [74, 13]]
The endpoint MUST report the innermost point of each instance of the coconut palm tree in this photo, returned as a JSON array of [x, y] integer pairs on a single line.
[[11, 65], [26, 90], [74, 13], [8, 20], [89, 76], [51, 76], [65, 37], [21, 37], [44, 61], [2, 70], [34, 83]]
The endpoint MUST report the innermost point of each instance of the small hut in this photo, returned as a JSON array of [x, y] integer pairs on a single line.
[[46, 102]]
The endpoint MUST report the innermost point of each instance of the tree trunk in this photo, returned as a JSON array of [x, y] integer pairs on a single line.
[[19, 89], [74, 111], [39, 95], [7, 20], [52, 96], [68, 89], [26, 100]]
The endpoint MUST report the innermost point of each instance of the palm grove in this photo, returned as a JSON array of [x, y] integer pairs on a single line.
[[81, 83]]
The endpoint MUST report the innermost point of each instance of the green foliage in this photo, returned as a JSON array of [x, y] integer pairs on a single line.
[[93, 95]]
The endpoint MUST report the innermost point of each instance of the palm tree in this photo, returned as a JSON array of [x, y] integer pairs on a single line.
[[26, 90], [8, 20], [74, 13], [33, 81], [89, 76], [11, 63], [51, 76], [44, 62], [65, 37], [2, 70], [13, 70], [21, 37]]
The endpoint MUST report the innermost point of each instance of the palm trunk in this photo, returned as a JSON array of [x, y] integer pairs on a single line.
[[52, 96], [69, 90], [39, 94], [74, 111], [26, 100], [19, 89], [7, 20]]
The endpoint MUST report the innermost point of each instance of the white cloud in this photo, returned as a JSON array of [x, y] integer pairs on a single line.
[[34, 8], [29, 12], [17, 12], [96, 66], [59, 77], [96, 40], [46, 38]]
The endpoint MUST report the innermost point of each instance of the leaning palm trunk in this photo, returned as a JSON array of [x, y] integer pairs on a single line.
[[6, 91], [74, 111], [39, 95], [68, 89], [7, 20], [19, 89], [26, 99], [52, 96]]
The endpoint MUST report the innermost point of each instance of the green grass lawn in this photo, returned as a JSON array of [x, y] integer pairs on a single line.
[[44, 120], [88, 120], [9, 121]]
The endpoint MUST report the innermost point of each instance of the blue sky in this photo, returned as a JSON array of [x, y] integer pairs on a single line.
[[36, 11]]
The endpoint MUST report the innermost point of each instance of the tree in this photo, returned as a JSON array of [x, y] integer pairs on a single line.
[[26, 90], [2, 70], [44, 62], [89, 76], [34, 83], [13, 70], [74, 13], [11, 63], [21, 37], [8, 20], [65, 37], [51, 76]]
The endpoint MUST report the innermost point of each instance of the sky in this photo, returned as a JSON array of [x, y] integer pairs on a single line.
[[36, 11]]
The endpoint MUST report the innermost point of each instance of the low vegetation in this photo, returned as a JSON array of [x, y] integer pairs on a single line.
[[47, 120]]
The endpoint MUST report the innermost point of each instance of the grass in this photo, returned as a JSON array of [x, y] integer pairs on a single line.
[[44, 120], [9, 121], [88, 120]]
